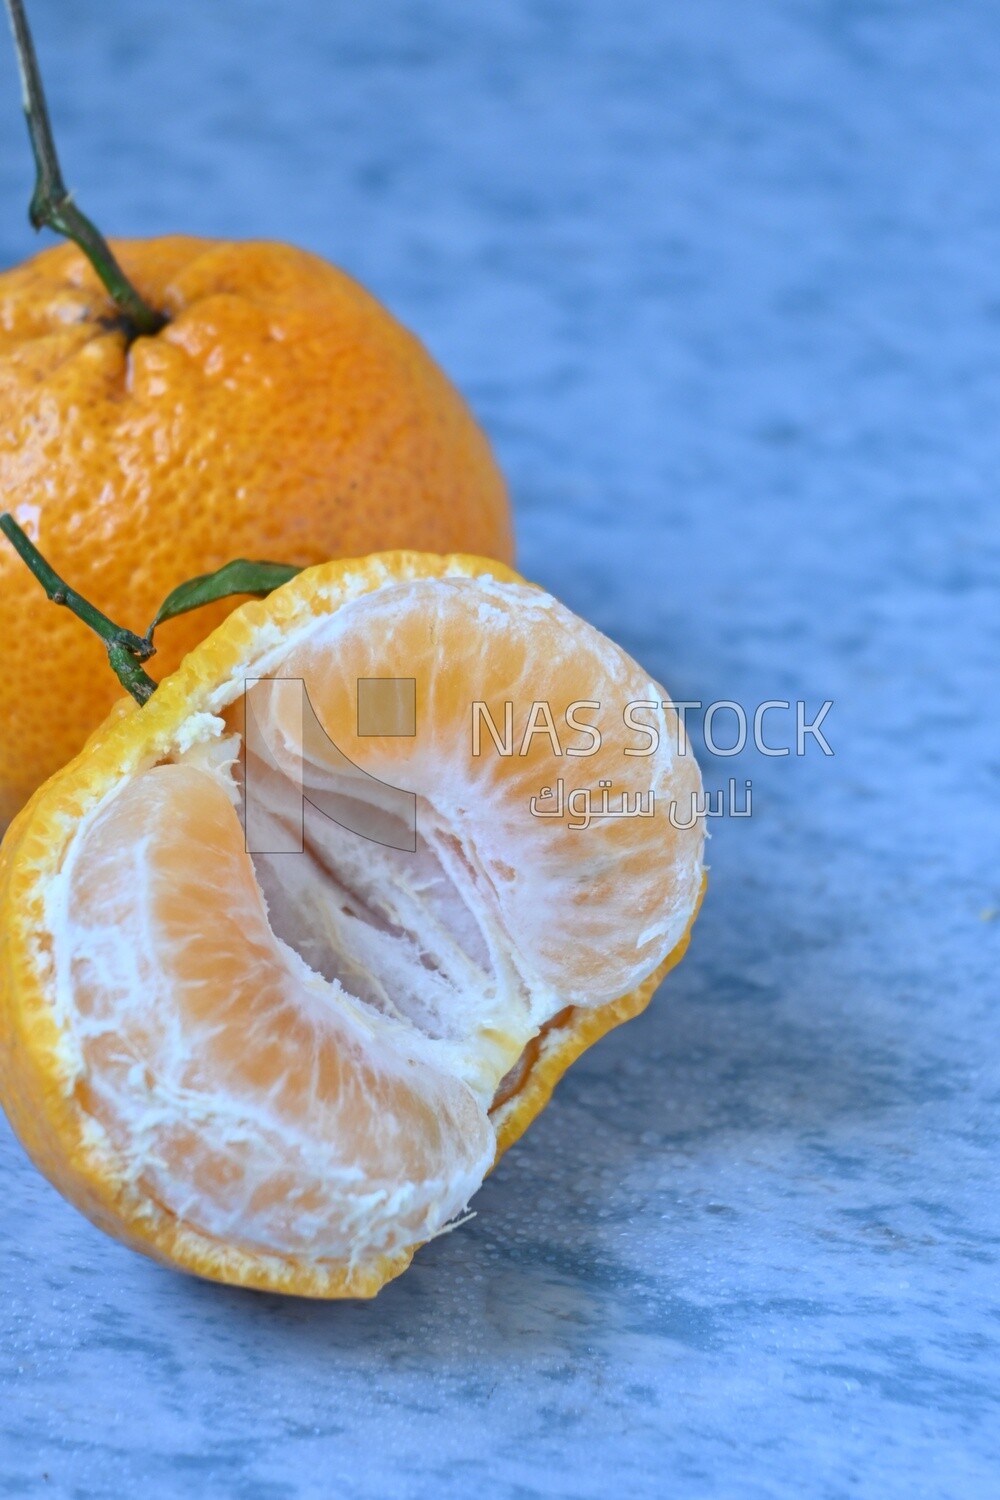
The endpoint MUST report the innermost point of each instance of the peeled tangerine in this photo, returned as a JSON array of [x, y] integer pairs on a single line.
[[292, 953]]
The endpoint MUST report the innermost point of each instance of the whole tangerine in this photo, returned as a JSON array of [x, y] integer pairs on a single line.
[[169, 404], [281, 412]]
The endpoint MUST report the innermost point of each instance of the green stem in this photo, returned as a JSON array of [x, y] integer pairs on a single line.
[[51, 202], [126, 650]]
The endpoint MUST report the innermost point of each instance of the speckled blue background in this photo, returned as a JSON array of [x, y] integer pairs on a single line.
[[722, 279]]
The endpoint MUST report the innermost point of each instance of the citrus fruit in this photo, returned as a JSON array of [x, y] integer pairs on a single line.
[[281, 412], [291, 953]]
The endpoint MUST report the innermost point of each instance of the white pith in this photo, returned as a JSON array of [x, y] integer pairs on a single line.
[[418, 961]]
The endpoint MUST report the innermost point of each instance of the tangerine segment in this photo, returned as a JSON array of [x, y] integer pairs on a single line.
[[562, 913], [284, 1066], [246, 1095]]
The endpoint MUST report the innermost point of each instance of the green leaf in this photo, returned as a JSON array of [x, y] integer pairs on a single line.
[[238, 577]]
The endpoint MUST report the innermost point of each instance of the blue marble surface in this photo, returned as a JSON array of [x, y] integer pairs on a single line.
[[723, 282]]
